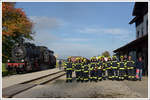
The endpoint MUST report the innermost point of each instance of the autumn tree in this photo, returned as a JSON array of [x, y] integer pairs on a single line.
[[105, 54], [15, 26]]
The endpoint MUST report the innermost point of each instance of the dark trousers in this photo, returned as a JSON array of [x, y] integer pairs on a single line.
[[95, 75], [126, 73], [78, 75], [99, 74], [82, 75], [69, 75], [131, 73], [86, 76], [121, 74], [92, 74], [109, 71], [114, 73], [104, 74]]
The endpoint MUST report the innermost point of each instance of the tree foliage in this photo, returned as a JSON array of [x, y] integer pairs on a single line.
[[15, 26], [105, 54]]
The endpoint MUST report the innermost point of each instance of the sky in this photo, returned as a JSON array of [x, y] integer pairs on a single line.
[[80, 28]]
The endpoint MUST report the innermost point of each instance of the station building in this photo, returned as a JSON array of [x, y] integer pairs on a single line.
[[139, 46]]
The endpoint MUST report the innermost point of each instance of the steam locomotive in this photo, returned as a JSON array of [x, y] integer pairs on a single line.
[[26, 57]]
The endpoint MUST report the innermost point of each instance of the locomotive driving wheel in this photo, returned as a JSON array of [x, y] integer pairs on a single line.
[[28, 68]]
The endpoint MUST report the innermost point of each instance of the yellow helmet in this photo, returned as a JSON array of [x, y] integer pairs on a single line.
[[69, 57], [77, 58], [121, 56], [114, 57], [91, 58], [94, 58], [109, 57], [84, 60], [102, 56], [80, 58], [99, 57]]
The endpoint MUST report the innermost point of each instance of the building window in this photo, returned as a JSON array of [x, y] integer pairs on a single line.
[[137, 34], [141, 32]]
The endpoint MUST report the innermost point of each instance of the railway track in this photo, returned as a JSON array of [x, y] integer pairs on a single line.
[[13, 90]]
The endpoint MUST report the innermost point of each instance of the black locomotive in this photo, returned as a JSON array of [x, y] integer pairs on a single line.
[[27, 57]]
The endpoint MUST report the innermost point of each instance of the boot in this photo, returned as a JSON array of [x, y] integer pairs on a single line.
[[66, 81]]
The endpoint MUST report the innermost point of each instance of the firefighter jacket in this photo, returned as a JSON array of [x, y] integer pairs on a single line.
[[82, 66], [100, 65], [115, 64], [93, 66], [104, 66], [68, 66], [86, 68], [121, 65], [78, 67], [108, 65], [130, 64]]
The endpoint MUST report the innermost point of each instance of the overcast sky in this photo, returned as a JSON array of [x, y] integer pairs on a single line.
[[81, 29]]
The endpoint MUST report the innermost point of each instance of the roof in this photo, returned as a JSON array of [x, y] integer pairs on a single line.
[[134, 20], [132, 43], [140, 8]]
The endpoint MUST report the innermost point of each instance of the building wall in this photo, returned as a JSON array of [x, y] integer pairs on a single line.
[[145, 24], [133, 54], [142, 28]]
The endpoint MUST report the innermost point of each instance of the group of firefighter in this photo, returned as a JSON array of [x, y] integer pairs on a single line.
[[98, 69]]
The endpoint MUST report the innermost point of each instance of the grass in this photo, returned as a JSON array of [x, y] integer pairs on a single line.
[[3, 67], [5, 71]]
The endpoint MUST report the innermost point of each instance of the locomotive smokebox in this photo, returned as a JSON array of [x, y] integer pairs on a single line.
[[18, 52]]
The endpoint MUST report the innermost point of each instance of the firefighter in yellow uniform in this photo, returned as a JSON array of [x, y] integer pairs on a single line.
[[109, 68], [131, 68], [68, 69], [82, 69], [114, 68], [77, 69], [126, 70], [93, 69], [86, 71], [121, 69], [103, 68], [99, 69]]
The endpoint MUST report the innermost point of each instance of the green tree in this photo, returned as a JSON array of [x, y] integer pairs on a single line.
[[105, 54], [15, 26]]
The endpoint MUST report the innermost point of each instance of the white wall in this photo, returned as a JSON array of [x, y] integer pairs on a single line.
[[145, 23], [142, 25]]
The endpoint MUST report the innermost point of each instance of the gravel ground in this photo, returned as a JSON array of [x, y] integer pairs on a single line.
[[104, 89], [19, 78], [139, 86]]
